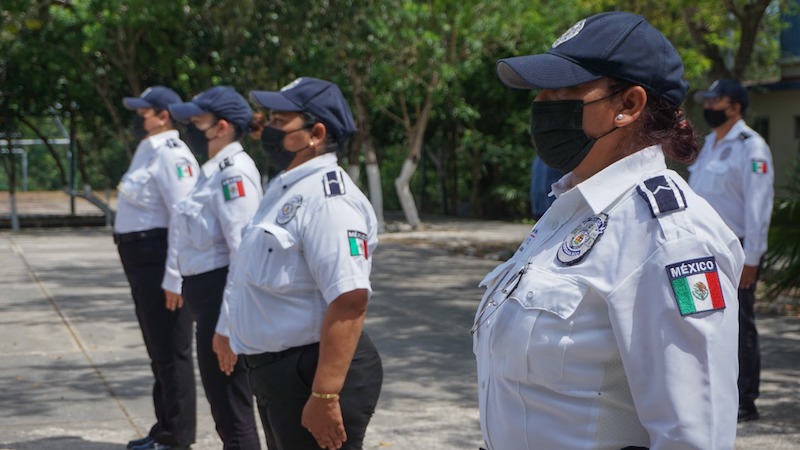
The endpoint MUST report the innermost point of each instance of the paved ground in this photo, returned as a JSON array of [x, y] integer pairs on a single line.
[[74, 373]]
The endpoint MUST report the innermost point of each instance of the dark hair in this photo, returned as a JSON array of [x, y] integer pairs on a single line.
[[664, 123], [331, 144], [237, 130]]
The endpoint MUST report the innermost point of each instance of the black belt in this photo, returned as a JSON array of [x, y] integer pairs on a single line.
[[139, 235], [252, 361]]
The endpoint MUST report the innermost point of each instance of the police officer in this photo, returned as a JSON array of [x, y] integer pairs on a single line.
[[300, 288], [162, 172], [613, 325], [207, 231], [734, 174]]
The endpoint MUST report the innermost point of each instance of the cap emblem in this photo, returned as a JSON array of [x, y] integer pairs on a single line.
[[292, 84], [571, 33]]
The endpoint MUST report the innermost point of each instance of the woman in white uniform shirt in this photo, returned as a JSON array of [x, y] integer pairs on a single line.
[[300, 287], [207, 229], [614, 325], [162, 172]]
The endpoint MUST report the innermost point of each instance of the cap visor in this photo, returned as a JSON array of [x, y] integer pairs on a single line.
[[545, 71], [185, 111], [133, 103], [274, 101]]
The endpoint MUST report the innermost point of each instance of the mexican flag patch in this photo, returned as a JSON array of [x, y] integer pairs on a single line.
[[232, 188], [696, 285], [358, 243], [760, 166], [184, 169]]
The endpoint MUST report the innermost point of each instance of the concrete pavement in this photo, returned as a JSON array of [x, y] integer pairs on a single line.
[[74, 372]]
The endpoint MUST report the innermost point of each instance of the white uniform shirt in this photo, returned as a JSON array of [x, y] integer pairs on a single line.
[[206, 228], [310, 241], [736, 177], [598, 354], [163, 171]]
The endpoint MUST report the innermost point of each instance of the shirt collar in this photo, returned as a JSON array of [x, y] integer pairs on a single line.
[[289, 177], [735, 131], [604, 187], [157, 140], [212, 165]]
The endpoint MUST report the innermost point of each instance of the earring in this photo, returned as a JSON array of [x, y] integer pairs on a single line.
[[619, 117]]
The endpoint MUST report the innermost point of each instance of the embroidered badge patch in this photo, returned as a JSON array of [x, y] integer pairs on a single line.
[[571, 33], [184, 168], [232, 188], [579, 242], [696, 285], [760, 166], [358, 243], [289, 210], [333, 183]]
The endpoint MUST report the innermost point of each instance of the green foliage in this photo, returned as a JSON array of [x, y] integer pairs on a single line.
[[426, 67], [782, 261]]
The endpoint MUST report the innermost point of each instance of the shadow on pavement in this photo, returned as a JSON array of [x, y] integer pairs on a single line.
[[61, 443]]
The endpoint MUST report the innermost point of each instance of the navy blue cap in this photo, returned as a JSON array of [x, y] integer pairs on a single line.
[[222, 101], [615, 44], [323, 99], [153, 97], [725, 88]]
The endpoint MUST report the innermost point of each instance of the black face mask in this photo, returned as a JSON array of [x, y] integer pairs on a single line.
[[557, 132], [139, 132], [272, 144], [197, 141], [714, 117]]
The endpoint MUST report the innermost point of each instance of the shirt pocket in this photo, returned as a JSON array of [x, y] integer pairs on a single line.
[[534, 332], [196, 222], [274, 258], [133, 186]]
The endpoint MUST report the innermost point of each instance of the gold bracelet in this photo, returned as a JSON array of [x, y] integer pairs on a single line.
[[325, 396]]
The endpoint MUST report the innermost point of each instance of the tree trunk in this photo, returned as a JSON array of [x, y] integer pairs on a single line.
[[374, 182], [404, 192]]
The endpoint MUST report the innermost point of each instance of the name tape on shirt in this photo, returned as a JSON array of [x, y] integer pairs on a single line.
[[760, 166], [232, 188], [184, 169], [358, 243], [333, 183], [695, 284]]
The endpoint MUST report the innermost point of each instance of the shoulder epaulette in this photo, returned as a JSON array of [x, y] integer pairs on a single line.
[[225, 163], [661, 195], [743, 136], [333, 183]]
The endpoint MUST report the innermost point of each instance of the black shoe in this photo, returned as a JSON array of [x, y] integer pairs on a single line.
[[171, 447], [747, 413], [141, 444]]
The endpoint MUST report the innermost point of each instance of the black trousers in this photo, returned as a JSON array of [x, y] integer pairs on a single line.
[[229, 396], [749, 349], [168, 338], [282, 387]]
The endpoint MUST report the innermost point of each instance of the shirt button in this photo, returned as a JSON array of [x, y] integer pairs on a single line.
[[529, 295], [554, 225]]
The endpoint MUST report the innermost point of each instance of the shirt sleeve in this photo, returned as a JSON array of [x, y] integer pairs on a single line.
[[338, 245], [172, 280], [235, 202], [176, 174], [758, 174], [681, 367]]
